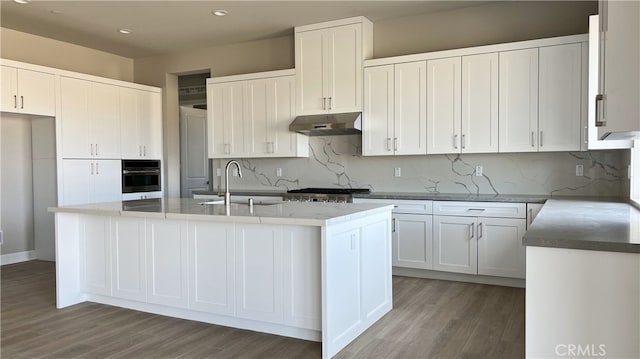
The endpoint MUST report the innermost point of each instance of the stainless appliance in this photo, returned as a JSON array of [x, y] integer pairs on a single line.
[[140, 176], [328, 124], [339, 195]]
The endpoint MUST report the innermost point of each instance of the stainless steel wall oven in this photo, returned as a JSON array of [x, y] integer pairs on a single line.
[[140, 176]]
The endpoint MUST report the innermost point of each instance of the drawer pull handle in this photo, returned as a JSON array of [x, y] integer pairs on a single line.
[[476, 209]]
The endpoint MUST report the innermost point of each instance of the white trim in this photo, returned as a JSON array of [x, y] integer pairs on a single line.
[[18, 257], [327, 24], [510, 46], [77, 75], [252, 76]]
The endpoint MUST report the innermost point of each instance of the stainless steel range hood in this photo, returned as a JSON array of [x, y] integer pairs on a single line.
[[328, 124]]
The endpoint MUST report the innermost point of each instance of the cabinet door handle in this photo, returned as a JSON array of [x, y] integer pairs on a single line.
[[599, 119], [144, 150], [21, 102], [15, 101], [473, 231], [464, 141], [330, 103], [140, 150], [324, 103], [585, 134], [533, 141], [530, 215], [97, 168], [395, 143], [455, 141], [540, 139], [480, 230], [96, 149], [393, 225], [388, 143]]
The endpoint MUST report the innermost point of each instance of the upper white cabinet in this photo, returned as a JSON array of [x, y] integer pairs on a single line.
[[518, 101], [141, 123], [479, 104], [28, 92], [443, 105], [328, 59], [463, 104], [90, 119], [619, 69], [249, 116], [395, 109], [560, 91]]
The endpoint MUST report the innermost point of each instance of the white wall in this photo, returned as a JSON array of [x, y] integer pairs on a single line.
[[16, 185]]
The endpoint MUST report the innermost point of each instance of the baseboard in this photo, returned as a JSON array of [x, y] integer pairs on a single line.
[[458, 277], [17, 257]]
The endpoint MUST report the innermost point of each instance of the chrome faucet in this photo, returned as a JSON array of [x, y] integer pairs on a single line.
[[227, 195]]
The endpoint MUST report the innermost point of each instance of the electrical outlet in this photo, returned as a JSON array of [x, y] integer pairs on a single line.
[[278, 172], [478, 171], [397, 172], [579, 170]]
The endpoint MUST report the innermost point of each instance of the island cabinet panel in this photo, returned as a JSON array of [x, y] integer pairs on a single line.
[[128, 258], [259, 272], [95, 252], [454, 244], [302, 292], [375, 263], [167, 270], [212, 267]]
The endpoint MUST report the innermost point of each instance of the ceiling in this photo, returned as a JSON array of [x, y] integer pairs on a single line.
[[161, 27]]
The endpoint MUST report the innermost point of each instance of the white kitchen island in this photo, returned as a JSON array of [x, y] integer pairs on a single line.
[[315, 271]]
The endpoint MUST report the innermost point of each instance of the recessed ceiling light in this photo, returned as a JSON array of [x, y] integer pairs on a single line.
[[219, 12], [22, 1], [125, 31]]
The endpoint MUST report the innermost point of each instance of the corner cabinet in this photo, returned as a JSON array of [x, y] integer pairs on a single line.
[[249, 116], [328, 58], [27, 92], [619, 71]]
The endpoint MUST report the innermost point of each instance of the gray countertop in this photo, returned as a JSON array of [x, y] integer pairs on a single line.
[[586, 224]]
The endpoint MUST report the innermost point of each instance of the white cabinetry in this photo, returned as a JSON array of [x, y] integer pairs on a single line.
[[250, 115], [619, 69], [462, 104], [128, 265], [212, 267], [141, 123], [167, 263], [28, 92], [95, 258], [479, 238], [87, 181], [90, 119], [328, 59], [518, 101], [395, 109], [560, 91], [259, 272]]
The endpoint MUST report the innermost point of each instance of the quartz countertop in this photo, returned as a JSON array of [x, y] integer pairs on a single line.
[[586, 224], [295, 213]]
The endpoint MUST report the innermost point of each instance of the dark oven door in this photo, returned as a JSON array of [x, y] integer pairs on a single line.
[[140, 176]]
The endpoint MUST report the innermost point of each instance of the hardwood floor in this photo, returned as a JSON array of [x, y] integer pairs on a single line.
[[430, 319]]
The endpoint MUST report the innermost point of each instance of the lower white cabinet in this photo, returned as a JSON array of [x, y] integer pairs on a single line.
[[167, 263], [454, 244], [212, 267], [532, 212], [95, 263], [500, 249], [91, 181], [412, 240], [128, 267]]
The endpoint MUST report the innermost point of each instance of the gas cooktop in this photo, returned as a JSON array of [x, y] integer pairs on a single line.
[[339, 195]]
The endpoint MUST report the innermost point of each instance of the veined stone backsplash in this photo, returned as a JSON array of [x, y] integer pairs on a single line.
[[337, 162]]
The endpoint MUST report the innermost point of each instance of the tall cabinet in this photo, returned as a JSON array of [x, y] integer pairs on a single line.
[[328, 59]]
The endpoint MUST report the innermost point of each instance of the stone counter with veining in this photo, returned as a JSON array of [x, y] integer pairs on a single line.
[[586, 224]]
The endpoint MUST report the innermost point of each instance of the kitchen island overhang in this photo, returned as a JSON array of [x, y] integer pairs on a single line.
[[315, 271]]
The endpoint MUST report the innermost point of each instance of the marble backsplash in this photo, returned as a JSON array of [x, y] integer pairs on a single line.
[[337, 162]]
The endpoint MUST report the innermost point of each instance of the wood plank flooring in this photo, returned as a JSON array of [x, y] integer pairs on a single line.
[[430, 319]]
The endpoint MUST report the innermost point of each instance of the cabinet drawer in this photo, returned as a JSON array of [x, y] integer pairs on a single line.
[[480, 209], [402, 205]]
